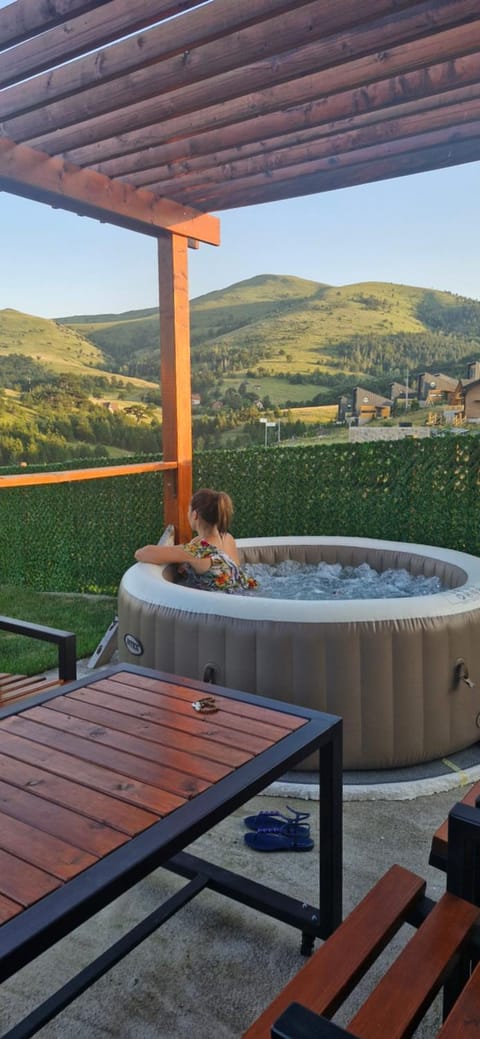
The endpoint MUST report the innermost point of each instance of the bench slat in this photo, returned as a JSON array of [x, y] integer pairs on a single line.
[[24, 686], [337, 966], [439, 847], [463, 1021], [405, 992]]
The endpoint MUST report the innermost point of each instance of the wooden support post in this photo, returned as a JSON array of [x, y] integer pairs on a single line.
[[175, 379]]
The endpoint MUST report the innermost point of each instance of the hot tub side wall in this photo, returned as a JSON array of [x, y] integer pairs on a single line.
[[391, 681]]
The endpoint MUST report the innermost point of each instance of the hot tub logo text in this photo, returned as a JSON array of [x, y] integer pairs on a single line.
[[133, 645]]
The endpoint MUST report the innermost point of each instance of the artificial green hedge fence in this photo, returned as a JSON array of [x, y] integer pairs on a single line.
[[81, 536]]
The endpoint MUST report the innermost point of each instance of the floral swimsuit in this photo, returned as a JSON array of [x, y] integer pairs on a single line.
[[223, 574]]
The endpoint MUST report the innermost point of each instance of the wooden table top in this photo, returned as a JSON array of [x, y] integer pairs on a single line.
[[83, 772]]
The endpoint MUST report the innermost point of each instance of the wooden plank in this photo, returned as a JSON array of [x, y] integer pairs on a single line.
[[439, 845], [147, 705], [439, 157], [123, 717], [102, 779], [91, 753], [23, 883], [349, 112], [25, 18], [303, 152], [310, 166], [404, 993], [108, 20], [90, 835], [137, 53], [283, 109], [34, 174], [73, 475], [175, 380], [92, 805], [147, 750], [233, 714], [373, 52], [463, 1021], [40, 849], [8, 909], [335, 968], [187, 690]]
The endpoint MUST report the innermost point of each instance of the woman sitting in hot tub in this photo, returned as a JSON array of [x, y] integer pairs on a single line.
[[210, 561]]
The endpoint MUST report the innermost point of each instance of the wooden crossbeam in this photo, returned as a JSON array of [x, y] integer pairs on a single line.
[[111, 92], [26, 18], [316, 160], [74, 475], [35, 175], [168, 38], [441, 157], [106, 22], [332, 115], [425, 128], [195, 110]]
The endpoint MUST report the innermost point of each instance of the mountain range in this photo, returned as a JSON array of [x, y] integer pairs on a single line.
[[295, 339]]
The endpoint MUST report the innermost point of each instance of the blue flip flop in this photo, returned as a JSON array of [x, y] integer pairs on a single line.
[[275, 822], [279, 841]]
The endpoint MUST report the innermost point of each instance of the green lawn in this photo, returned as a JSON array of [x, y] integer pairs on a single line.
[[87, 615]]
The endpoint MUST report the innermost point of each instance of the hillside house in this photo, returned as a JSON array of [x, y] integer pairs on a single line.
[[401, 392], [196, 400], [435, 388], [367, 406], [471, 400]]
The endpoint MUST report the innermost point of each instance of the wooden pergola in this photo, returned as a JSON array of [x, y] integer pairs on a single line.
[[151, 114]]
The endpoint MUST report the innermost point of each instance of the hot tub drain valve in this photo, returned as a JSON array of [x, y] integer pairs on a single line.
[[461, 674]]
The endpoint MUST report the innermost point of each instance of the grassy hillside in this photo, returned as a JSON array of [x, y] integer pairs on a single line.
[[290, 339], [59, 348]]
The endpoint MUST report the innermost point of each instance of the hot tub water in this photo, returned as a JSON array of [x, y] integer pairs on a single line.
[[293, 580]]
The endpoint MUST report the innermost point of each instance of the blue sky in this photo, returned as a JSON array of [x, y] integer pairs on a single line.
[[421, 230]]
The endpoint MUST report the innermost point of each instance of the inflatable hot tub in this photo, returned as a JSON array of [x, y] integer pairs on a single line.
[[403, 673]]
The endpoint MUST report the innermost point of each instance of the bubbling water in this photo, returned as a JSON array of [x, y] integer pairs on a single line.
[[293, 580]]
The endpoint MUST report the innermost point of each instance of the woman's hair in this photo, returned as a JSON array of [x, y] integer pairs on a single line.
[[214, 507]]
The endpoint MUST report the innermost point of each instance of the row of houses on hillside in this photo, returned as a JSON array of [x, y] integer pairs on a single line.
[[461, 396]]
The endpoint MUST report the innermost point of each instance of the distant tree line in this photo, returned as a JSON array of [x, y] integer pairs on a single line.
[[60, 419], [461, 318]]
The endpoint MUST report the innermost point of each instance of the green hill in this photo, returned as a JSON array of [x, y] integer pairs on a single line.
[[292, 339]]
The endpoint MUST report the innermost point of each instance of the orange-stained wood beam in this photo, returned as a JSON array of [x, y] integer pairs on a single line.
[[71, 475], [176, 381], [35, 175]]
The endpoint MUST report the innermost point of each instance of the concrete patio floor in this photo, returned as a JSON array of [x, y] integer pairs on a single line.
[[211, 969]]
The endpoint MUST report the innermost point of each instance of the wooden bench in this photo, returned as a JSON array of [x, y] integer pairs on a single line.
[[439, 845], [440, 953], [14, 687]]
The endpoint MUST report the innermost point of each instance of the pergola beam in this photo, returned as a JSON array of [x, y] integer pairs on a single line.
[[209, 188], [446, 49], [25, 18], [68, 39], [175, 86], [440, 157], [331, 149], [425, 91], [172, 36], [34, 175]]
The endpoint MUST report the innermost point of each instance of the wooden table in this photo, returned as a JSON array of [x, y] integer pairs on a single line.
[[114, 776]]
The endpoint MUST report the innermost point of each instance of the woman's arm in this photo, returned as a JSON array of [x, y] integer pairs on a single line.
[[230, 547], [171, 554]]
